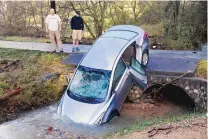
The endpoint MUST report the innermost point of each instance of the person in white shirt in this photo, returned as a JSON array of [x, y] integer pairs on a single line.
[[53, 26]]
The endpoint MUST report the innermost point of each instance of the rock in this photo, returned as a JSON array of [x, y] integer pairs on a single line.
[[187, 88], [198, 86], [133, 95], [168, 79], [192, 87], [136, 91], [137, 96], [134, 87], [196, 91], [137, 101], [191, 92], [131, 91], [186, 82], [197, 100]]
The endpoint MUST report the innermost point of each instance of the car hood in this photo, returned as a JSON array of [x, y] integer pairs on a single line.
[[80, 112]]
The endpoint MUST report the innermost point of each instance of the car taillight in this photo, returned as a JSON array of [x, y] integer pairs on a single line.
[[145, 35]]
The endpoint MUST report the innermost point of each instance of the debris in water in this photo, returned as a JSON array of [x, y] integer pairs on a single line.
[[50, 128], [59, 134]]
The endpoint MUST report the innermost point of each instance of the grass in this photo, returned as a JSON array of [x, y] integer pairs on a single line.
[[201, 70], [24, 39], [28, 74], [139, 126]]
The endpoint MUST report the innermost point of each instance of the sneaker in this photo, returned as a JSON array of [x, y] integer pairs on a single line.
[[77, 49], [73, 49], [61, 51], [53, 51]]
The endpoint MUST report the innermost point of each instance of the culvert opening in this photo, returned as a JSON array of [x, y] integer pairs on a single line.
[[171, 100], [172, 93]]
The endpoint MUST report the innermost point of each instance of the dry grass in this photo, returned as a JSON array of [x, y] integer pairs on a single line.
[[24, 39], [201, 70]]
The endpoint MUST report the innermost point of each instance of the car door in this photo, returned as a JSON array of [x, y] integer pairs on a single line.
[[121, 83], [138, 73]]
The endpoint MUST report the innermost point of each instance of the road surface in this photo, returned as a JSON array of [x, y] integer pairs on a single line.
[[172, 62]]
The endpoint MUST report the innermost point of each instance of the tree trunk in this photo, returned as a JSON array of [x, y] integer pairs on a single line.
[[42, 19], [53, 5], [172, 12], [33, 13]]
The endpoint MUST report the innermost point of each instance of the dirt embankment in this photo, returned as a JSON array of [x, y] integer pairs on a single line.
[[37, 76], [187, 129]]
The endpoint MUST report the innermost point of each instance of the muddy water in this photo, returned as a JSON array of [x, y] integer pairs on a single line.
[[33, 124]]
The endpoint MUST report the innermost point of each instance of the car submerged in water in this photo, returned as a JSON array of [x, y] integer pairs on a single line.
[[105, 74]]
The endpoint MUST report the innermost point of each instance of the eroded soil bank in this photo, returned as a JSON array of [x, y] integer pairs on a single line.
[[39, 75]]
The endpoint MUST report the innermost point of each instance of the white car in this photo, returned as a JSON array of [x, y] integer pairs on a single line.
[[103, 77]]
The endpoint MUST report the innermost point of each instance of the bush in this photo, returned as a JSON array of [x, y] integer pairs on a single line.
[[154, 30], [179, 44], [201, 70]]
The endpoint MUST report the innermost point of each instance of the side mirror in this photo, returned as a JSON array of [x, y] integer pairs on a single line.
[[113, 91], [67, 78]]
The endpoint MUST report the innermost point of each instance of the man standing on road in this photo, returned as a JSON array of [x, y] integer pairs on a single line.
[[77, 27], [53, 26]]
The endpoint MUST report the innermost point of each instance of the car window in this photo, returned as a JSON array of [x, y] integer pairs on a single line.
[[120, 69], [137, 66], [128, 35]]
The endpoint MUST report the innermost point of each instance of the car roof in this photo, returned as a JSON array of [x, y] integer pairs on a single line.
[[107, 47], [131, 28]]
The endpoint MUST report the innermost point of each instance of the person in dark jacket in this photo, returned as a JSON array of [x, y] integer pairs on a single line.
[[77, 27]]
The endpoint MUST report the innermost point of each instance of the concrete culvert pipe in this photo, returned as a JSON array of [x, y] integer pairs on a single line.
[[171, 93], [177, 95]]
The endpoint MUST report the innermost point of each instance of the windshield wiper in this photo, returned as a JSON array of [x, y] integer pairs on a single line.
[[69, 91], [92, 99]]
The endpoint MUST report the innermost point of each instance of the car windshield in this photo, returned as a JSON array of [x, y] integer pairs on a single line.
[[90, 85]]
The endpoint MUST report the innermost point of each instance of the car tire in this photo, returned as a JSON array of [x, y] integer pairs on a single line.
[[145, 58], [113, 114]]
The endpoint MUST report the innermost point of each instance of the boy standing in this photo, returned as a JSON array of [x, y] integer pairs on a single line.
[[77, 27]]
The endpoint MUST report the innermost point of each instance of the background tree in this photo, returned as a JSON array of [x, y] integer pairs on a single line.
[[175, 24]]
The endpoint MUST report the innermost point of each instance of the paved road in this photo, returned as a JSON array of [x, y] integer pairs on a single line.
[[165, 61], [39, 46]]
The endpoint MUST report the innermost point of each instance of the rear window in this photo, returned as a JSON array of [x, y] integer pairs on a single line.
[[127, 35]]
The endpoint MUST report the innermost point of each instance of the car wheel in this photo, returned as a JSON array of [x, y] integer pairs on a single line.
[[113, 114], [145, 58]]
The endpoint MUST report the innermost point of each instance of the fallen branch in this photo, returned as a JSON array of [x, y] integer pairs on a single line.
[[9, 64], [3, 68], [155, 130], [10, 94], [199, 124]]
